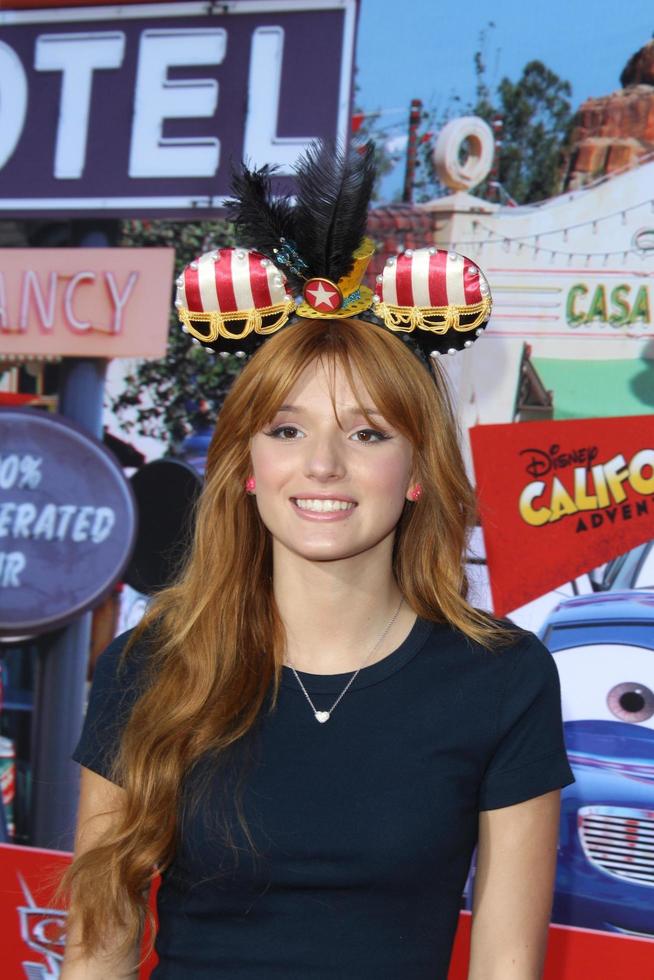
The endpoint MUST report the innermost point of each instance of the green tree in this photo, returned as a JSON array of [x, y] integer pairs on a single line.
[[368, 126], [371, 129], [426, 185], [537, 118], [164, 397]]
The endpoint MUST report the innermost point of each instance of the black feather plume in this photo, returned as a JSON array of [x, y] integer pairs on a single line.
[[261, 220], [334, 188]]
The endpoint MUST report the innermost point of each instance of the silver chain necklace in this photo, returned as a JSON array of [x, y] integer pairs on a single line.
[[323, 716]]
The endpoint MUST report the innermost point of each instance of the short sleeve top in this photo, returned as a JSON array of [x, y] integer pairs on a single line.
[[364, 825]]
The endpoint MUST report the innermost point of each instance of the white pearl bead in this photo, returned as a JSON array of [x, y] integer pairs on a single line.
[[379, 278], [178, 303], [408, 253], [240, 353], [195, 341], [452, 350], [375, 300], [435, 353], [224, 355], [473, 271], [452, 256], [215, 255], [265, 263], [468, 343], [479, 331], [390, 261], [240, 254], [433, 250], [184, 328], [194, 264]]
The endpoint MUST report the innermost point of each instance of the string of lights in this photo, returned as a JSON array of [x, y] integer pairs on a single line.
[[594, 222], [532, 241], [583, 256]]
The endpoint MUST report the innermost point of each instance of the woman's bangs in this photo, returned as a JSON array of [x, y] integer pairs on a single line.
[[377, 369], [276, 375]]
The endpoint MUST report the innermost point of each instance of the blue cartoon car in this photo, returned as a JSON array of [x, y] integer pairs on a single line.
[[603, 645]]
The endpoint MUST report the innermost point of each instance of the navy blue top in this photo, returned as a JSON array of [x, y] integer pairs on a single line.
[[365, 825]]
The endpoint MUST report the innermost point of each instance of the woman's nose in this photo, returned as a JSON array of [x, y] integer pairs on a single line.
[[324, 459]]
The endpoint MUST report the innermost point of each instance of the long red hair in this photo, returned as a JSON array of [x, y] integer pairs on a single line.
[[215, 639]]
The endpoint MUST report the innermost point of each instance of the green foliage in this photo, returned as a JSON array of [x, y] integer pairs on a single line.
[[426, 185], [537, 120], [164, 398], [372, 129]]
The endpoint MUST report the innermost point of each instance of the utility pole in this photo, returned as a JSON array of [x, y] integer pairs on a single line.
[[494, 181], [415, 114], [64, 654]]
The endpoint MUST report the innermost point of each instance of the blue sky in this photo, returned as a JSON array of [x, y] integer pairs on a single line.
[[424, 48]]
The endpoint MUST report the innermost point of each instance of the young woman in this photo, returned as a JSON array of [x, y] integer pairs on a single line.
[[312, 729]]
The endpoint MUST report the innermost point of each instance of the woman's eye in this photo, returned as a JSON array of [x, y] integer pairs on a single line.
[[284, 432], [288, 433], [369, 435]]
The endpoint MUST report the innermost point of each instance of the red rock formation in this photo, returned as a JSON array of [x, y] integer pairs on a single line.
[[639, 70], [615, 131]]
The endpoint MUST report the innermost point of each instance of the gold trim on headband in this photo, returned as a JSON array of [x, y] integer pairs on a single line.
[[252, 320], [435, 319]]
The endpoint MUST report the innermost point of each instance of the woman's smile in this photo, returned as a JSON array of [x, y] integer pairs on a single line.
[[323, 508], [319, 460]]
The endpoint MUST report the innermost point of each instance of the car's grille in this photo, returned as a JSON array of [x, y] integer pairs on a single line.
[[619, 840]]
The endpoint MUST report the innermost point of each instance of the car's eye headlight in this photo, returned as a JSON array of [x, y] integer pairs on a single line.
[[631, 701]]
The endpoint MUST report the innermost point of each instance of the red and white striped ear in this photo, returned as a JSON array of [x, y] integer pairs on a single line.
[[440, 298], [231, 299]]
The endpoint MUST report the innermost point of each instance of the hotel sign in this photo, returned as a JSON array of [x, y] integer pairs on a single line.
[[142, 109]]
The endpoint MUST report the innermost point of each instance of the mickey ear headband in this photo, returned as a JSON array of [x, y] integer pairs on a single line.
[[308, 257]]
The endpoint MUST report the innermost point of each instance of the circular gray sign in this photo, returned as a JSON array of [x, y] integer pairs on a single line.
[[67, 521]]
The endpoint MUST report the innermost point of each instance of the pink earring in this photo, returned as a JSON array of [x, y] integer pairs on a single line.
[[416, 493], [250, 485]]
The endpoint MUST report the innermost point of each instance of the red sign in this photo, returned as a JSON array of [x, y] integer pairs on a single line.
[[33, 930], [85, 302], [560, 498]]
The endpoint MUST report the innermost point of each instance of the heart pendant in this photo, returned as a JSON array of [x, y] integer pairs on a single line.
[[322, 716]]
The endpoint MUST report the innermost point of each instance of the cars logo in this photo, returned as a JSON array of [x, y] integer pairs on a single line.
[[44, 931]]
